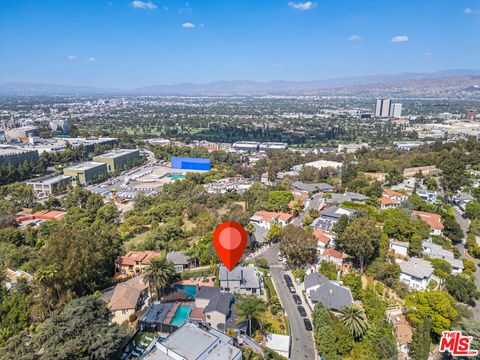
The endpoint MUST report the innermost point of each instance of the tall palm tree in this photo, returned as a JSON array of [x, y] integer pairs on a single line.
[[250, 307], [354, 319], [159, 273]]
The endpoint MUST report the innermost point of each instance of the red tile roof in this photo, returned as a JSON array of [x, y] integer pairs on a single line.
[[43, 215], [333, 253], [143, 257], [434, 220], [391, 193], [387, 201], [324, 236]]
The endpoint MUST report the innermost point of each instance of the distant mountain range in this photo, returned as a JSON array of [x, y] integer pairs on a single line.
[[448, 83]]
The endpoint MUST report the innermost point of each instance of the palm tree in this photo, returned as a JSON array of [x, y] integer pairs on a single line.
[[159, 273], [354, 319], [250, 307]]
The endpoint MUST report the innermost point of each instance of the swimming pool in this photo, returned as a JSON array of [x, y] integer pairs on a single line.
[[181, 315], [190, 290], [176, 176]]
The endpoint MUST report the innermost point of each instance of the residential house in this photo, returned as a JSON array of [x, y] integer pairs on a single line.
[[399, 247], [126, 298], [13, 276], [259, 235], [463, 198], [395, 195], [158, 317], [134, 262], [324, 239], [299, 196], [348, 197], [329, 217], [313, 187], [333, 256], [387, 203], [242, 280], [265, 219], [427, 195], [180, 260], [433, 220], [331, 294], [316, 202], [193, 342], [218, 310], [435, 251], [416, 273]]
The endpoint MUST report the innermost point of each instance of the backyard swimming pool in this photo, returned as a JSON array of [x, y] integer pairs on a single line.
[[181, 315], [176, 176], [190, 290]]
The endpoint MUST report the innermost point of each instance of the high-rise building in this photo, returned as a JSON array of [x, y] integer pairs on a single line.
[[386, 108], [382, 107], [395, 110], [471, 115]]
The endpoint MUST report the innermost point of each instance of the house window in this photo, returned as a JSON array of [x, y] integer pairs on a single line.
[[124, 311], [208, 317]]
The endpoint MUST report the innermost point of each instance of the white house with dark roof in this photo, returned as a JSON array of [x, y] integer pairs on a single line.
[[329, 217], [416, 273], [435, 251], [332, 295], [399, 247], [242, 279], [216, 304]]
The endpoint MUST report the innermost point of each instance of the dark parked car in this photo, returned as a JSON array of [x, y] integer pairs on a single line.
[[288, 279], [308, 324], [302, 311], [297, 299]]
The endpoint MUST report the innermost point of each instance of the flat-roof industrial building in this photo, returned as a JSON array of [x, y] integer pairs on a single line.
[[87, 173], [190, 164], [121, 159], [49, 186], [14, 156]]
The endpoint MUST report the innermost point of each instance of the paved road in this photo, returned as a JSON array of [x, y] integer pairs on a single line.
[[302, 340], [465, 225]]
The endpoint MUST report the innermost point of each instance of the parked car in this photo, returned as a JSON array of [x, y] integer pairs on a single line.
[[308, 324], [292, 289], [297, 299], [280, 257], [302, 311], [288, 279]]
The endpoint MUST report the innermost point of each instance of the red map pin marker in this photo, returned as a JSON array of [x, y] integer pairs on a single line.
[[230, 240]]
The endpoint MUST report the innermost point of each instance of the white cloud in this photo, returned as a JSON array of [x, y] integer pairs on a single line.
[[144, 5], [307, 5], [188, 25], [399, 38], [92, 59], [72, 57], [468, 10], [355, 37], [278, 65]]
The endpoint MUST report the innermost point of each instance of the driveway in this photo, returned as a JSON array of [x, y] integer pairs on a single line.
[[302, 340]]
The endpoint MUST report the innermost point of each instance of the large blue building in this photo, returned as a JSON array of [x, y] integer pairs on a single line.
[[190, 163]]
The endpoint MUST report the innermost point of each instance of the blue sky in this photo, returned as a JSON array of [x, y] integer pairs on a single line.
[[125, 43]]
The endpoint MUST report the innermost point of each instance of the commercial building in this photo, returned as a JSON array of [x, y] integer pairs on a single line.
[[382, 107], [61, 126], [87, 173], [273, 146], [246, 145], [395, 110], [190, 164], [319, 164], [118, 160], [49, 186], [471, 115], [22, 133], [14, 156], [386, 108]]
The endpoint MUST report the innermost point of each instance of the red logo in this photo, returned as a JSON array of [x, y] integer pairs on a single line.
[[456, 344]]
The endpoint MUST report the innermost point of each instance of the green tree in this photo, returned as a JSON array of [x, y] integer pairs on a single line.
[[462, 288], [159, 273], [328, 269], [278, 200], [354, 319], [298, 245], [472, 210], [360, 239], [274, 232], [470, 327], [250, 307], [420, 345], [436, 305]]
